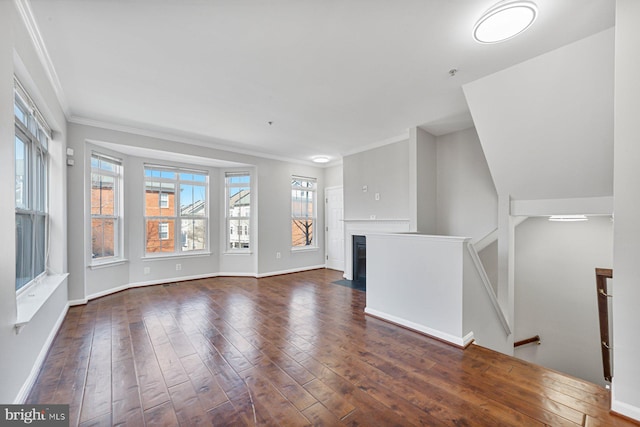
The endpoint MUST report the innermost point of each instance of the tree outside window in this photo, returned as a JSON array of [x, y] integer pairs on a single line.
[[303, 212]]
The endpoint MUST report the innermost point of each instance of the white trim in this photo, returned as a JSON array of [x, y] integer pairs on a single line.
[[21, 397], [455, 340], [35, 297], [198, 140], [576, 205], [187, 278], [24, 9], [175, 256], [623, 408], [487, 285], [110, 263], [292, 270]]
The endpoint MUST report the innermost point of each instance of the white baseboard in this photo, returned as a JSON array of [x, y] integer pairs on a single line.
[[185, 278], [292, 270], [35, 369], [622, 408], [462, 341]]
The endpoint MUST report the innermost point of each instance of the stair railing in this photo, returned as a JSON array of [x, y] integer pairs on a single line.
[[602, 274]]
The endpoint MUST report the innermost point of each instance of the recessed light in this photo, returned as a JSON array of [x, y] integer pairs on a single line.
[[321, 159], [505, 20], [568, 218]]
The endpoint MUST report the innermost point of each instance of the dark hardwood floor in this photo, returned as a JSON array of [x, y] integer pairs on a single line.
[[287, 350]]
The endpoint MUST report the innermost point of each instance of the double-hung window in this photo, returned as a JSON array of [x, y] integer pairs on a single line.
[[32, 137], [176, 212], [238, 196], [106, 210], [303, 212]]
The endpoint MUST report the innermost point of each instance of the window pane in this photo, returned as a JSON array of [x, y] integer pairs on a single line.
[[103, 195], [103, 237], [238, 179], [160, 198], [40, 242], [24, 239], [41, 182], [160, 237], [193, 235], [20, 114], [239, 201], [238, 234], [301, 232], [192, 199], [22, 165], [196, 177]]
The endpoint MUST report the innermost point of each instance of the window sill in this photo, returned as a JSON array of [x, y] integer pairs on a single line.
[[238, 253], [112, 263], [31, 300], [175, 256], [305, 249]]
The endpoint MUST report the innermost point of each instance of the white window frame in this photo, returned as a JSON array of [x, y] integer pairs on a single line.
[[163, 231], [118, 214], [164, 200], [242, 231], [296, 214], [177, 217], [36, 135]]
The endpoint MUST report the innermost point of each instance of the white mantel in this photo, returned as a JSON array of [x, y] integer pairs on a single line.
[[357, 227]]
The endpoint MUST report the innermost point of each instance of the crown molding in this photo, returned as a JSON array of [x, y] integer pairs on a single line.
[[201, 141], [26, 13]]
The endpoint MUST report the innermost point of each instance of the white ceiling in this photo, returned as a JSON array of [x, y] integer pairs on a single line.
[[334, 76]]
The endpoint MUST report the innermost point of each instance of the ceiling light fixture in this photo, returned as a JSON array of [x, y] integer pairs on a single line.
[[568, 218], [321, 159], [505, 20]]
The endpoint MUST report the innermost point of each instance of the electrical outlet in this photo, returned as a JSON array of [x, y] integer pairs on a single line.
[[372, 217], [278, 255], [365, 188], [377, 196], [178, 267], [147, 270]]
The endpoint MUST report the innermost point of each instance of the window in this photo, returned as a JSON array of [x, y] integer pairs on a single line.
[[303, 212], [164, 200], [32, 137], [106, 212], [176, 214], [238, 196], [164, 231]]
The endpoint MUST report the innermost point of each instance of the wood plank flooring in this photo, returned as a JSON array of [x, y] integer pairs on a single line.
[[289, 350]]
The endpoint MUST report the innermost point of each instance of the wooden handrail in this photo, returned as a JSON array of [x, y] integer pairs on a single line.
[[535, 339], [602, 274]]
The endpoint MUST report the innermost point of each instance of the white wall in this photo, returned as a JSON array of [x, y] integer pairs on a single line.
[[383, 170], [272, 213], [423, 181], [546, 124], [333, 176], [626, 251], [555, 292], [467, 199], [21, 354]]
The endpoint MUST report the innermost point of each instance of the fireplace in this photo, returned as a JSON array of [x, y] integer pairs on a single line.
[[359, 258]]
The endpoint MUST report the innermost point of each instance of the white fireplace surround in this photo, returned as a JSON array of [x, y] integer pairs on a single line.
[[355, 227]]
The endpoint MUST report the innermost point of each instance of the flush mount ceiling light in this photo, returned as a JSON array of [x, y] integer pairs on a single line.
[[504, 20], [320, 159], [568, 218]]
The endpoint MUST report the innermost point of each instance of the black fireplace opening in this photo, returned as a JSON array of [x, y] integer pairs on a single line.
[[360, 259]]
